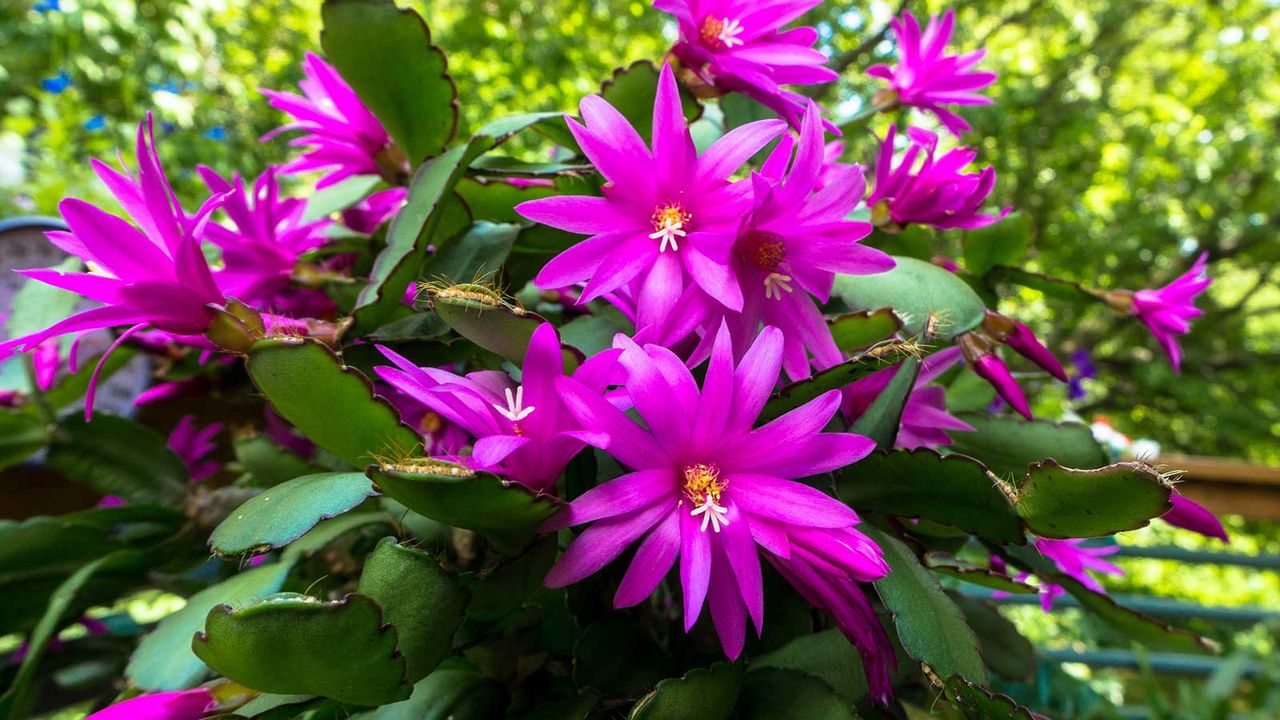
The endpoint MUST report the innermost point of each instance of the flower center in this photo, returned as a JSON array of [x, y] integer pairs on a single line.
[[515, 411], [670, 223], [721, 32], [703, 487], [767, 251], [431, 423]]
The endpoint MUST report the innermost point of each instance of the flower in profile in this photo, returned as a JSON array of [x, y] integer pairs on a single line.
[[791, 246], [925, 420], [739, 46], [980, 355], [1018, 336], [440, 437], [1167, 311], [668, 219], [148, 274], [926, 77], [262, 248], [177, 705], [1191, 515], [367, 215], [46, 360], [710, 489], [344, 138], [194, 444], [929, 190], [1077, 561], [523, 430]]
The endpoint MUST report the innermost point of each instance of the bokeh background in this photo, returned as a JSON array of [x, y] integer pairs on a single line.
[[1130, 136]]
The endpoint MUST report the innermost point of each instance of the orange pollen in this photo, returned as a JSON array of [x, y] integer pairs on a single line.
[[702, 483], [668, 215], [431, 423], [763, 249], [711, 31]]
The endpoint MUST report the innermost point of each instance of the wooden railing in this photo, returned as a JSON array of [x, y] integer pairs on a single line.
[[1225, 485]]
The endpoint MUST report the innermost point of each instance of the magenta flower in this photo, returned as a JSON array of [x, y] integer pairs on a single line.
[[668, 219], [708, 488], [1168, 311], [344, 138], [262, 249], [440, 437], [927, 190], [193, 445], [926, 77], [1191, 515], [791, 246], [925, 420], [366, 216], [1076, 561], [178, 705], [152, 274], [46, 359], [523, 431], [739, 46]]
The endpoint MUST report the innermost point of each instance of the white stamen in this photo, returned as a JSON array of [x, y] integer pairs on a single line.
[[775, 283], [669, 233], [713, 514], [515, 411], [729, 33]]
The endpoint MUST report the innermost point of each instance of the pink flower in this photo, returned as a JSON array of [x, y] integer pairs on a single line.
[[1191, 515], [150, 274], [926, 77], [440, 436], [739, 46], [179, 705], [925, 420], [791, 246], [1168, 311], [344, 138], [709, 489], [1077, 561], [927, 190], [668, 219], [368, 215], [193, 445], [523, 431], [46, 358], [261, 250]]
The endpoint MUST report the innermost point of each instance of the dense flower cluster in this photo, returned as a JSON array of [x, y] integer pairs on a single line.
[[726, 270]]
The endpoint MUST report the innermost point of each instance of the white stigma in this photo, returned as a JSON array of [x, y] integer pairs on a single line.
[[668, 233], [775, 284], [729, 33], [515, 411], [712, 513]]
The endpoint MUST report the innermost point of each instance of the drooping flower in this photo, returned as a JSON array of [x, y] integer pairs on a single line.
[[344, 138], [1191, 515], [1077, 561], [193, 444], [151, 274], [925, 420], [523, 430], [981, 357], [46, 359], [367, 215], [929, 190], [739, 46], [668, 219], [710, 489], [1167, 311], [926, 77], [177, 705], [791, 246], [261, 251], [1017, 335]]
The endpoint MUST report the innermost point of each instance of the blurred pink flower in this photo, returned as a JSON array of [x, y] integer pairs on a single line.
[[928, 78], [193, 445], [1168, 311], [178, 705], [367, 215], [929, 190]]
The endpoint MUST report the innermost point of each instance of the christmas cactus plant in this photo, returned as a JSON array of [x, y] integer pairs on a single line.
[[666, 409]]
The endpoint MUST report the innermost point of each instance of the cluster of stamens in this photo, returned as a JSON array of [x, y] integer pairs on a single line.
[[515, 411], [670, 222], [703, 487], [721, 32], [767, 251]]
